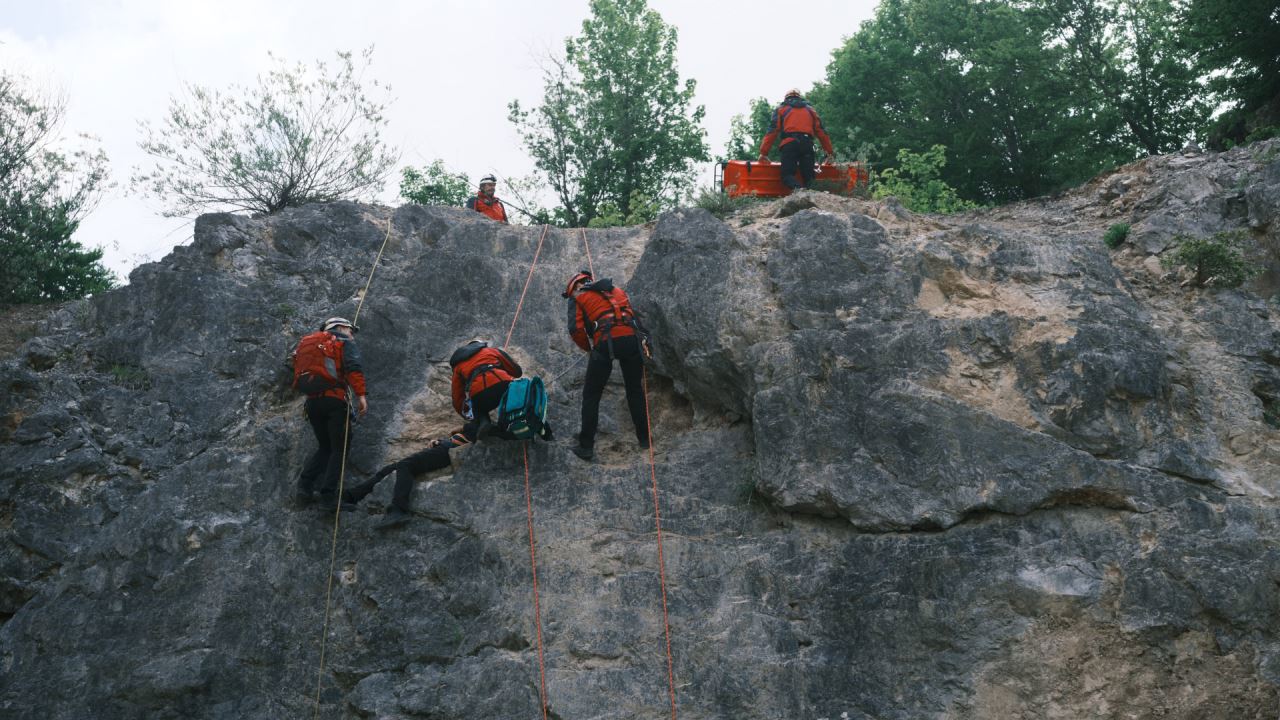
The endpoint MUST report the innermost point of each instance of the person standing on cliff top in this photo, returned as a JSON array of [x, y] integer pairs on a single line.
[[327, 367], [797, 122], [486, 203]]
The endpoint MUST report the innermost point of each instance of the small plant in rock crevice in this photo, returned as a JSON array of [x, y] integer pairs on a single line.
[[1116, 235]]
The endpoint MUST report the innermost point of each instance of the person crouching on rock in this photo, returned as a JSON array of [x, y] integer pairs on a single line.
[[434, 457], [326, 366], [603, 323], [480, 377]]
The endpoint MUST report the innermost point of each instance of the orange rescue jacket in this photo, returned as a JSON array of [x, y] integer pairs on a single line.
[[489, 206], [490, 367], [795, 120]]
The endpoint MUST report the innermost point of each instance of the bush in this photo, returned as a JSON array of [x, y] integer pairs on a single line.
[[1116, 235], [1218, 260], [642, 209], [719, 203], [299, 136], [917, 183]]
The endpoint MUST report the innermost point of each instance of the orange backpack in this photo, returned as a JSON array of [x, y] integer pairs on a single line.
[[317, 363]]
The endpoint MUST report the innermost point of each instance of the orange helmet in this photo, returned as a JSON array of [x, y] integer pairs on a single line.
[[582, 277]]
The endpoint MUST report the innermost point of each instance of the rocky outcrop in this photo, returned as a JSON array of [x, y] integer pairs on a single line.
[[910, 467]]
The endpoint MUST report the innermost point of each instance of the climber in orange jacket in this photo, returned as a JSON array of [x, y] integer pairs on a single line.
[[486, 203], [603, 323], [797, 122], [480, 378], [327, 367]]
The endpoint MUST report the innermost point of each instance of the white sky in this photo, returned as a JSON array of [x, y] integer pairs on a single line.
[[119, 61]]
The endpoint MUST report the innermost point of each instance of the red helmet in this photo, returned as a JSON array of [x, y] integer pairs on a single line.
[[582, 277]]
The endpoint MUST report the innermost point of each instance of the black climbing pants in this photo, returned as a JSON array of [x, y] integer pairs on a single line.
[[798, 155], [328, 418], [483, 403], [435, 457], [630, 357]]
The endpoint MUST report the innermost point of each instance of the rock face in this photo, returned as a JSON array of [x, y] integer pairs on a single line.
[[976, 466]]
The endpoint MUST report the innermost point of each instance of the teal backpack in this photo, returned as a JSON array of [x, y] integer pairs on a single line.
[[523, 410]]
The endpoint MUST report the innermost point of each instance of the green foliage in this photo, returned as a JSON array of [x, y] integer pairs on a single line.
[[1218, 260], [1129, 59], [1234, 43], [299, 136], [746, 132], [641, 209], [917, 183], [1029, 96], [718, 202], [1116, 235], [130, 376], [44, 193], [434, 185], [615, 118]]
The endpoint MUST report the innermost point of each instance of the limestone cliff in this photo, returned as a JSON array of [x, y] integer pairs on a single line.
[[975, 466]]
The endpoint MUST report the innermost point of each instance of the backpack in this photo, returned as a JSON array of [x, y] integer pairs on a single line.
[[317, 363], [523, 410]]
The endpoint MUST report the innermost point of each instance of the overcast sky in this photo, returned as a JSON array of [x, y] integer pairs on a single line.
[[119, 61]]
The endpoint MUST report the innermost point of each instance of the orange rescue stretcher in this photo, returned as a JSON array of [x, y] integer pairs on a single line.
[[747, 177]]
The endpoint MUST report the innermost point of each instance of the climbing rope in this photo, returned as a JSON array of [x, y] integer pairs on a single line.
[[527, 279], [657, 514], [657, 519], [591, 266], [342, 476], [528, 496], [533, 562]]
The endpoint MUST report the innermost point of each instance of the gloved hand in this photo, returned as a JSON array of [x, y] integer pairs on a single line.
[[763, 159]]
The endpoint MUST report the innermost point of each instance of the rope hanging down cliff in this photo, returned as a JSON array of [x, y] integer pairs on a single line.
[[528, 496], [657, 514], [342, 474]]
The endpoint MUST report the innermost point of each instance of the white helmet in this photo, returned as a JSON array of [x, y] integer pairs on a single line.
[[334, 322]]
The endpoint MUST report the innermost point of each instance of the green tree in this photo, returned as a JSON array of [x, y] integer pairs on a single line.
[[615, 119], [1219, 260], [1236, 44], [917, 183], [1128, 54], [44, 193], [993, 81], [299, 136], [434, 185], [746, 132]]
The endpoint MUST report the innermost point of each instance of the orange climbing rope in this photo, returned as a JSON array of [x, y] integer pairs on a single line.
[[520, 304], [657, 516], [528, 498], [533, 562]]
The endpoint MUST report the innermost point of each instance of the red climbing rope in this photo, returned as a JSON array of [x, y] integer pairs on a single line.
[[520, 304], [533, 562], [657, 515], [528, 499], [662, 565]]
